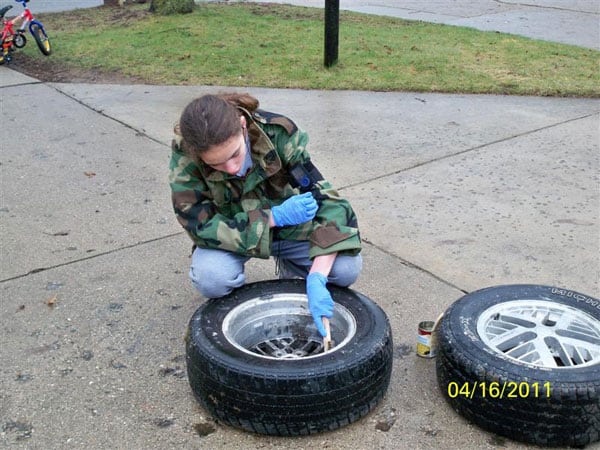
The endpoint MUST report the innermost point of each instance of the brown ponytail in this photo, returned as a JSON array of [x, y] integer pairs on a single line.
[[245, 101]]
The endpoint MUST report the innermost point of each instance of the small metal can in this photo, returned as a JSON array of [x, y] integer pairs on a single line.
[[425, 343]]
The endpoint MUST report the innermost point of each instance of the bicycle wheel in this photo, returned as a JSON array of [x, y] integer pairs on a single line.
[[19, 40], [41, 38], [5, 56]]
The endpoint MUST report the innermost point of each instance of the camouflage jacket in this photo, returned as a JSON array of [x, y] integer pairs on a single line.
[[227, 212]]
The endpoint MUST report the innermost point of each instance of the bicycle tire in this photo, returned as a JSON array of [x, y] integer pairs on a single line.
[[42, 40], [19, 40]]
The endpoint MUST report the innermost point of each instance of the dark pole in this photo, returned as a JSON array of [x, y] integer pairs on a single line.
[[332, 27]]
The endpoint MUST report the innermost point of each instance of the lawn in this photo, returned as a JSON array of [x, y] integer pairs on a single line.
[[281, 46]]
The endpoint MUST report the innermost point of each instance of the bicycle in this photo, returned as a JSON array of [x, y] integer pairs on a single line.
[[7, 36], [35, 28]]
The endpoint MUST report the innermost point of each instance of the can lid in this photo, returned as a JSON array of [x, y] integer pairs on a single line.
[[426, 325]]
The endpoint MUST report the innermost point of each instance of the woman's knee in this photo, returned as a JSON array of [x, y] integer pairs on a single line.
[[211, 286], [345, 270], [216, 274]]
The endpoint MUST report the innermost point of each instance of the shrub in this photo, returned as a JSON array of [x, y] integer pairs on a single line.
[[168, 7]]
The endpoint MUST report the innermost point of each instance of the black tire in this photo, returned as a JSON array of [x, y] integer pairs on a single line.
[[516, 393], [5, 58], [288, 397], [19, 40], [43, 41]]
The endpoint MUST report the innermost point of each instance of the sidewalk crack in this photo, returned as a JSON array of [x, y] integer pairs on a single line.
[[556, 8], [472, 149], [411, 265], [87, 258]]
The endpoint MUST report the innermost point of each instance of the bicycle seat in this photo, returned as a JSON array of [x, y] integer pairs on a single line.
[[4, 10]]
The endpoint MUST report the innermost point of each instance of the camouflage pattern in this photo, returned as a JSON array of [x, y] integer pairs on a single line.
[[223, 211]]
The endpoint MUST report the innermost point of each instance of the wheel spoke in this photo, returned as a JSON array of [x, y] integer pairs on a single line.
[[520, 320], [542, 333], [545, 355], [589, 348], [511, 339]]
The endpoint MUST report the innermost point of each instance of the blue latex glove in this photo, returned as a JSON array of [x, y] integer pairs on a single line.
[[295, 210], [320, 302]]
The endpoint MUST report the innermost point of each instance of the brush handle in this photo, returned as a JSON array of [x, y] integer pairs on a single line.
[[327, 338]]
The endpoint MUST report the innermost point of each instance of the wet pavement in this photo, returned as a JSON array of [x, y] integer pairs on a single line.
[[574, 22], [453, 193]]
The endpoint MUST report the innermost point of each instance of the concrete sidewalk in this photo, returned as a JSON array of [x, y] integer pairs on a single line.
[[575, 22], [454, 193]]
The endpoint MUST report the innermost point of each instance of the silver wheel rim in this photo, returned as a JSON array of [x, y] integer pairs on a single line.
[[281, 327], [541, 333]]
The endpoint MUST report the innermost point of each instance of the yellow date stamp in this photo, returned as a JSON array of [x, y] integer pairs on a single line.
[[499, 389]]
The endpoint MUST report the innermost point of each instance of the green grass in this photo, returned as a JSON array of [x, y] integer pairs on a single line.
[[248, 44]]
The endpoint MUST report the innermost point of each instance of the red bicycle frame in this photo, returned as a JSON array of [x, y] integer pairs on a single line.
[[28, 22], [7, 36]]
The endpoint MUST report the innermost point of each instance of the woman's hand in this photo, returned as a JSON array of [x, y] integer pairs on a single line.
[[295, 210], [320, 302]]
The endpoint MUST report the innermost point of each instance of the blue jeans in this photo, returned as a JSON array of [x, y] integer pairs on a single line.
[[215, 273]]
